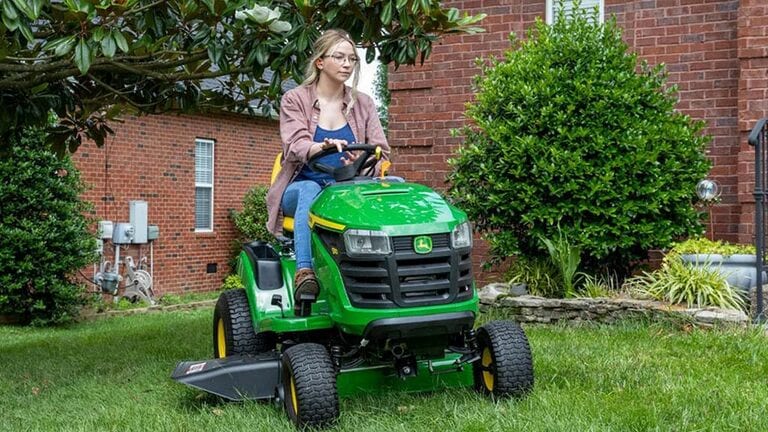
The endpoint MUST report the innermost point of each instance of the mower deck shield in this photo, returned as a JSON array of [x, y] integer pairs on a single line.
[[235, 378]]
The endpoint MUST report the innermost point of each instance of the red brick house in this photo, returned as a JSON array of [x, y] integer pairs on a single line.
[[169, 161], [715, 50]]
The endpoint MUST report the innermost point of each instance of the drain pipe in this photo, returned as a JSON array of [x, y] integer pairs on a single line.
[[757, 139]]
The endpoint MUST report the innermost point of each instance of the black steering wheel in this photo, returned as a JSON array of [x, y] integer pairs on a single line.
[[348, 171]]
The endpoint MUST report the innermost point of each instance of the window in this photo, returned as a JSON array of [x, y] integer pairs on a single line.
[[554, 5], [203, 185]]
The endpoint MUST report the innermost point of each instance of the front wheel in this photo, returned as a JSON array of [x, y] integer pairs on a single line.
[[310, 396], [505, 368], [233, 332]]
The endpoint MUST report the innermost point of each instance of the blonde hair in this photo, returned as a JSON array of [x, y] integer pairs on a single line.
[[320, 48]]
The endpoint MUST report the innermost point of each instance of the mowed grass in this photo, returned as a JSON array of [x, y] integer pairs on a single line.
[[113, 375]]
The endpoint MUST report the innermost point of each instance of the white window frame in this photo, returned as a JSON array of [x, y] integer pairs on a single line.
[[203, 185], [550, 13]]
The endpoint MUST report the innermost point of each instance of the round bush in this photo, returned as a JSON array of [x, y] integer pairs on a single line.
[[44, 233], [570, 129], [251, 223]]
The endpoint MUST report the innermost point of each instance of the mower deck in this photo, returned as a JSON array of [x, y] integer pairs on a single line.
[[240, 378]]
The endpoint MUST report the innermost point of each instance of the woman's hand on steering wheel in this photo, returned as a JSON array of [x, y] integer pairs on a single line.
[[349, 158], [340, 144]]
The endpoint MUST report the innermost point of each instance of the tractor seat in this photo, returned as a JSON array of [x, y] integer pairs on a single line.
[[287, 220]]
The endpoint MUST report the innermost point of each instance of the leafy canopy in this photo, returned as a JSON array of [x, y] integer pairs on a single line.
[[570, 129], [91, 60]]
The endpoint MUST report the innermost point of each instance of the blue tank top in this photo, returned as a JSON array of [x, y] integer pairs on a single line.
[[333, 159]]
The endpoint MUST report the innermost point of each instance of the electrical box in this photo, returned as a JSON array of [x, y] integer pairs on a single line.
[[153, 232], [123, 233], [138, 218], [105, 229]]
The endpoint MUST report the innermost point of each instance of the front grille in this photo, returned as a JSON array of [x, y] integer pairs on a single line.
[[406, 278]]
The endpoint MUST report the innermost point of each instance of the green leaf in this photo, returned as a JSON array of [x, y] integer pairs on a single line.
[[63, 45], [10, 11], [98, 34], [25, 7], [10, 23], [83, 56], [262, 54], [108, 46], [117, 35], [210, 4], [386, 13], [24, 28], [215, 52]]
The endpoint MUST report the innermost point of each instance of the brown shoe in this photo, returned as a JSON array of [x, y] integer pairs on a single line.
[[304, 282]]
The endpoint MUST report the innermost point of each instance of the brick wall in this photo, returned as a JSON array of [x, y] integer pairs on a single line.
[[715, 52], [152, 158]]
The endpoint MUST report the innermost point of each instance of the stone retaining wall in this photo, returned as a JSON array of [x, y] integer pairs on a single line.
[[603, 310]]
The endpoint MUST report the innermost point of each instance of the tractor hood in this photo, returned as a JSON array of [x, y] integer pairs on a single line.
[[395, 208]]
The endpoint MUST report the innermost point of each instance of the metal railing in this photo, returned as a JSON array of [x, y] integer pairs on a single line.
[[758, 138]]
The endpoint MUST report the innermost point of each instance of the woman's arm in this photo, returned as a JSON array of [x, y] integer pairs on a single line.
[[294, 129]]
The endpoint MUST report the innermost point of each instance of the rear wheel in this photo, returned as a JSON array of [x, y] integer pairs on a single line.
[[309, 386], [505, 367], [233, 332]]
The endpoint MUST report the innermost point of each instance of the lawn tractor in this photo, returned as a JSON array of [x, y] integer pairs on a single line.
[[395, 310]]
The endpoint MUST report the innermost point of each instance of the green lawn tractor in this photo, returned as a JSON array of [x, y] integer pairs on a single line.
[[395, 311]]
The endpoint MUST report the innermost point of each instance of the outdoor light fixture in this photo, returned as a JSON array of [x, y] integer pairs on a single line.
[[708, 190]]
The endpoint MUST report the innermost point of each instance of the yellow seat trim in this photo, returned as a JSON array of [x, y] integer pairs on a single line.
[[287, 223], [276, 167]]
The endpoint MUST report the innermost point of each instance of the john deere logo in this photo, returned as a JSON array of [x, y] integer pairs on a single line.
[[422, 244]]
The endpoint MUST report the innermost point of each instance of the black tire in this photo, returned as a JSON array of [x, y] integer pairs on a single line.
[[233, 332], [309, 386], [505, 368]]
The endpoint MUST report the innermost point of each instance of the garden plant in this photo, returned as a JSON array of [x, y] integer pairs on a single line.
[[569, 129], [44, 232]]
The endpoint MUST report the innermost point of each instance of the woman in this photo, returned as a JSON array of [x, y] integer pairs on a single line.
[[320, 114]]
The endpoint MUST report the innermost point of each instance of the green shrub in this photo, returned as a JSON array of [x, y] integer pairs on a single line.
[[232, 282], [538, 274], [565, 258], [702, 245], [678, 283], [568, 128], [251, 222], [600, 285], [44, 233]]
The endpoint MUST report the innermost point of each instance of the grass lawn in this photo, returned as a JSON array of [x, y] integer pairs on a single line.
[[113, 374]]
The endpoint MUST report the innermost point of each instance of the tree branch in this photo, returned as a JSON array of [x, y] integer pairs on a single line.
[[120, 94]]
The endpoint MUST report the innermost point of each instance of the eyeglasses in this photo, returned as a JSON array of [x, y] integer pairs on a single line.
[[339, 58]]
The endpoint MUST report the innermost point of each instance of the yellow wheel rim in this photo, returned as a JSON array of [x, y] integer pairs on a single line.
[[487, 361], [221, 338], [294, 402]]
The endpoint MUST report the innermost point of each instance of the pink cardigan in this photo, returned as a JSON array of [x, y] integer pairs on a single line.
[[299, 113]]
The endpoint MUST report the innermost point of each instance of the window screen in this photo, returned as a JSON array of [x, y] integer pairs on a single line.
[[553, 6], [203, 185]]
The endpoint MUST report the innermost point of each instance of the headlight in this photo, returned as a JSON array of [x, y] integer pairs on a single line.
[[365, 242], [461, 236]]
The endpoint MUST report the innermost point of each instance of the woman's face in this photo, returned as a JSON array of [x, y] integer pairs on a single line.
[[339, 62]]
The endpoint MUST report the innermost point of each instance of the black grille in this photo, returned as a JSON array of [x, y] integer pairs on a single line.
[[406, 278]]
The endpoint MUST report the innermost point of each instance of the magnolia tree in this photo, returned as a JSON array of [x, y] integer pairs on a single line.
[[89, 61]]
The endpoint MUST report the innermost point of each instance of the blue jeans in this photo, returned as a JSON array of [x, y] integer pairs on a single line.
[[297, 199]]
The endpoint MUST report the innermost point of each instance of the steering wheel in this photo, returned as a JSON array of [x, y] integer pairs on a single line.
[[348, 171]]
